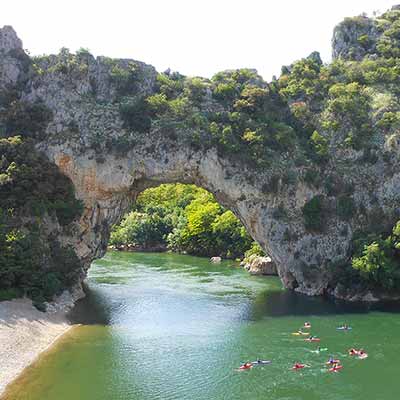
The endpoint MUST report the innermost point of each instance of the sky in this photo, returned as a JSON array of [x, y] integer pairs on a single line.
[[196, 38]]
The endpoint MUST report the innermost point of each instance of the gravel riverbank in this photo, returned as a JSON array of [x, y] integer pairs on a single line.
[[26, 332]]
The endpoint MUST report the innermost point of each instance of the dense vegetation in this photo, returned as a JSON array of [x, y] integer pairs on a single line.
[[182, 218], [377, 258], [31, 189]]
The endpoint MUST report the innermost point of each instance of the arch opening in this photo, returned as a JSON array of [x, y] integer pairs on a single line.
[[185, 219]]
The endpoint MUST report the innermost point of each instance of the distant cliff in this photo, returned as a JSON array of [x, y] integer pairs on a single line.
[[308, 162]]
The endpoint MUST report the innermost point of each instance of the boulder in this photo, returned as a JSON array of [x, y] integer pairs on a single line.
[[258, 265]]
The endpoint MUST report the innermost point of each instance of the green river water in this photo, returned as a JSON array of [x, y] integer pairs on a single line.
[[164, 326]]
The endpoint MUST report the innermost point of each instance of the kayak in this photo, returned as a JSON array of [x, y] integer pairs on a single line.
[[318, 351], [362, 356], [298, 366], [336, 369], [261, 362], [312, 339], [342, 328], [354, 353], [301, 334]]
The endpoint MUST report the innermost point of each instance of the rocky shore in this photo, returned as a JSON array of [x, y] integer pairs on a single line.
[[135, 247]]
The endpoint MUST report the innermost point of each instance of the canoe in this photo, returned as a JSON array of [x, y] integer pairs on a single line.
[[336, 369], [246, 366], [319, 351], [261, 362]]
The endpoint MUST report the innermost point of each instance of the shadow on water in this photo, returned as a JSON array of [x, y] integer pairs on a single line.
[[93, 309], [287, 303]]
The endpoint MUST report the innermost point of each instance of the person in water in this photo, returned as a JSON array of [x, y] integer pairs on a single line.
[[332, 361]]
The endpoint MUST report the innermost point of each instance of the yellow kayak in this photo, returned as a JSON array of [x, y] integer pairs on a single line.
[[301, 334]]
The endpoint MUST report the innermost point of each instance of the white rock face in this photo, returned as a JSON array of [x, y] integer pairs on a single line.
[[9, 39], [10, 66]]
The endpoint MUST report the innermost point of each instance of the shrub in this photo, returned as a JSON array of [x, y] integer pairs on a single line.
[[313, 213], [126, 78], [136, 115], [254, 250], [28, 120], [377, 258], [349, 106], [345, 207], [320, 146], [10, 294]]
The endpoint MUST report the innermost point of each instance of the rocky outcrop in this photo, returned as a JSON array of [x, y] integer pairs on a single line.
[[102, 141], [361, 36], [354, 38], [258, 265]]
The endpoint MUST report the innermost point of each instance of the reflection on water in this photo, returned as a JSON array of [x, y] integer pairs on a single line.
[[163, 326]]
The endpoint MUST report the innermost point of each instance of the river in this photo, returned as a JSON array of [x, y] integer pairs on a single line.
[[165, 326]]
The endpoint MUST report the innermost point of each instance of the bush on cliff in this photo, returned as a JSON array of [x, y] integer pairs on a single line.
[[30, 188], [377, 258], [313, 213]]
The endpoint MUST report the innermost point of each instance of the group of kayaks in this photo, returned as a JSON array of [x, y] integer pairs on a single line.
[[333, 364]]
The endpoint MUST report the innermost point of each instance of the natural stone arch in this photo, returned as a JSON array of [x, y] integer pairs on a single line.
[[109, 163], [109, 187]]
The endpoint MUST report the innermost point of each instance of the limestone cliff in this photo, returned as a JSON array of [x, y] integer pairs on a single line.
[[103, 135]]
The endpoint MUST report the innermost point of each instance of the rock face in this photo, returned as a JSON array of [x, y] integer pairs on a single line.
[[354, 38], [360, 36], [109, 165], [258, 265], [12, 57]]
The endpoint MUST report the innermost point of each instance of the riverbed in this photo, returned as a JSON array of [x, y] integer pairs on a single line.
[[164, 326]]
